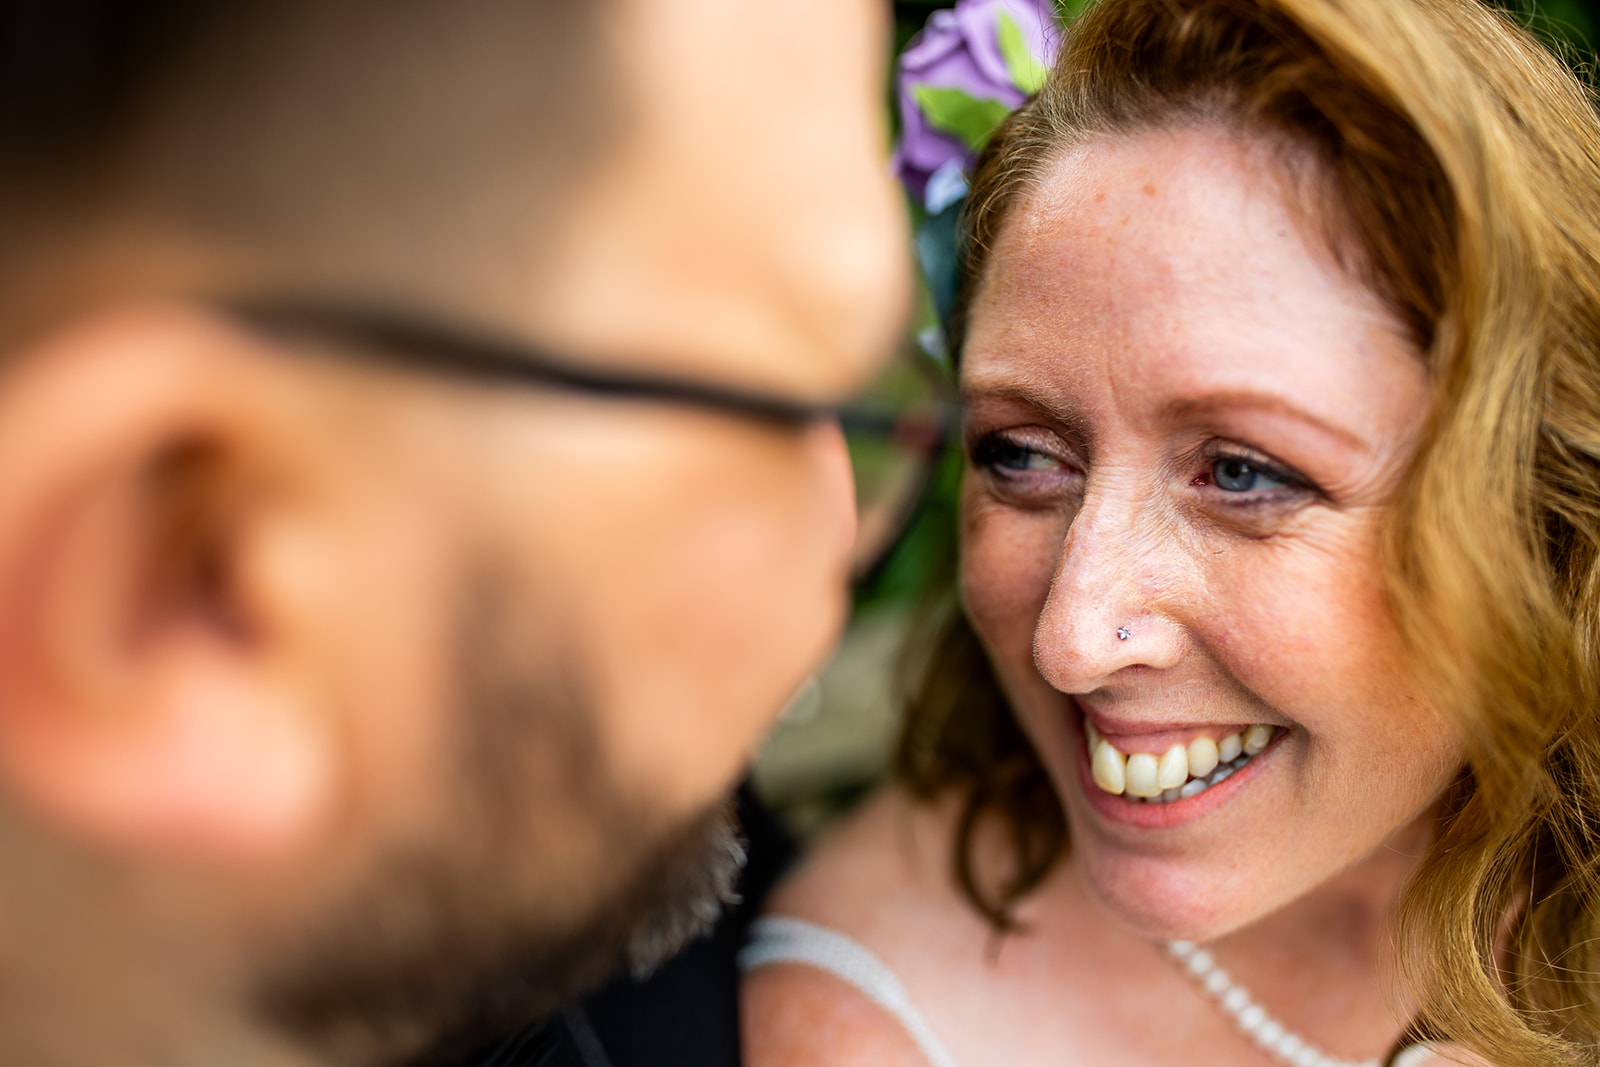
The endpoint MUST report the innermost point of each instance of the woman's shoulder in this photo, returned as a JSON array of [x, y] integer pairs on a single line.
[[880, 878], [799, 1016]]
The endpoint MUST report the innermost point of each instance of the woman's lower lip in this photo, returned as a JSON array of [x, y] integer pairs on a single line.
[[1131, 812]]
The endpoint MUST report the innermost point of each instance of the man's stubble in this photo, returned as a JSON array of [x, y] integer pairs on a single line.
[[448, 943]]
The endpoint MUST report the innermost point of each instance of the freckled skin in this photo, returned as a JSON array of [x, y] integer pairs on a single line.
[[1114, 364], [1153, 307]]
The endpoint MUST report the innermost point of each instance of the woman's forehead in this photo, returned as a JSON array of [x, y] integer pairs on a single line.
[[1192, 203], [1174, 260]]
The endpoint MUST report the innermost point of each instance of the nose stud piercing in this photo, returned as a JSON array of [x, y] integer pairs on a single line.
[[1123, 633]]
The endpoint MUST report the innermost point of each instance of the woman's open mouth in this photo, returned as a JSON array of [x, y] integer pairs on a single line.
[[1140, 774], [1179, 772]]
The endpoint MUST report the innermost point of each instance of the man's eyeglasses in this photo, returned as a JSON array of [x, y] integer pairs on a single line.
[[895, 429]]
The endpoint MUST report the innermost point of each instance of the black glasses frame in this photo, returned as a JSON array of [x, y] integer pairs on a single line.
[[400, 339]]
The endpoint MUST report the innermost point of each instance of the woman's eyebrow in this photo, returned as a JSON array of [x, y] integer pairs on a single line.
[[1213, 403], [1051, 407]]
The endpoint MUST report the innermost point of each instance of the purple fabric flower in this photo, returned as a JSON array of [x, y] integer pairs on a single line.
[[962, 49]]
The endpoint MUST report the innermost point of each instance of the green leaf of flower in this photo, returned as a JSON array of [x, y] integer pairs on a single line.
[[954, 111], [1027, 73]]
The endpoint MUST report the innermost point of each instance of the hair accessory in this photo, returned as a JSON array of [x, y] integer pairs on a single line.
[[1275, 1039], [1123, 633]]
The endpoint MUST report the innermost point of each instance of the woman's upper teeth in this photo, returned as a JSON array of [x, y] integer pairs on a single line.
[[1181, 770]]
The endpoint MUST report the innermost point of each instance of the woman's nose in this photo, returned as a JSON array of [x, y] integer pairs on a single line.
[[1111, 599]]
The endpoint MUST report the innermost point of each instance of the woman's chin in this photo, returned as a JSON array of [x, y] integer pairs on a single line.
[[1161, 900], [1180, 870]]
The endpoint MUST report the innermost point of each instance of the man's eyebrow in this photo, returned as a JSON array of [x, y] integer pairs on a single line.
[[1269, 402]]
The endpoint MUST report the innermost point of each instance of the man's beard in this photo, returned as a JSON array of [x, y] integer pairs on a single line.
[[482, 932]]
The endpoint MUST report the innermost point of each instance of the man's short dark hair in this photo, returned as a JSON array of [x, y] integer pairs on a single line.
[[336, 137]]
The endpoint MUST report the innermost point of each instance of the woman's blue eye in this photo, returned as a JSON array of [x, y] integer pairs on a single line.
[[1240, 476]]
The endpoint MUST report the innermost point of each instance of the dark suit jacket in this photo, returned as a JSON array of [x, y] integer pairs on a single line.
[[686, 1014]]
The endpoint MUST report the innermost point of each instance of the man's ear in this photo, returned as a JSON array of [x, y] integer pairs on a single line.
[[147, 703]]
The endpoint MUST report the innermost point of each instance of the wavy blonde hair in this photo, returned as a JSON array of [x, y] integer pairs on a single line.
[[1460, 162]]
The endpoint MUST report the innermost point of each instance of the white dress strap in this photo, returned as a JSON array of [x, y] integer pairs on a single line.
[[779, 939], [1418, 1056]]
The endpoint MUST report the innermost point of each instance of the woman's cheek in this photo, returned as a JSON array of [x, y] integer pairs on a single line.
[[1007, 562]]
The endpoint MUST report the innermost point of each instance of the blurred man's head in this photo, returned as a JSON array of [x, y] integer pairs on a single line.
[[341, 689]]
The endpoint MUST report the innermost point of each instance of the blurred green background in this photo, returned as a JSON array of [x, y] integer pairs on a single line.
[[834, 741]]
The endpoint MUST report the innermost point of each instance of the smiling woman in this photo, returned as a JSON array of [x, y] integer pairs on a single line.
[[1278, 349], [1194, 440]]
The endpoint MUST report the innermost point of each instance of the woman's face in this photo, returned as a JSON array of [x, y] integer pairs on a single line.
[[1183, 424]]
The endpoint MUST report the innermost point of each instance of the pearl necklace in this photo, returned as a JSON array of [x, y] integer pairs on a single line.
[[1277, 1040]]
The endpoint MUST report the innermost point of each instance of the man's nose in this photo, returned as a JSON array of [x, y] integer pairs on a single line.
[[1111, 598]]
